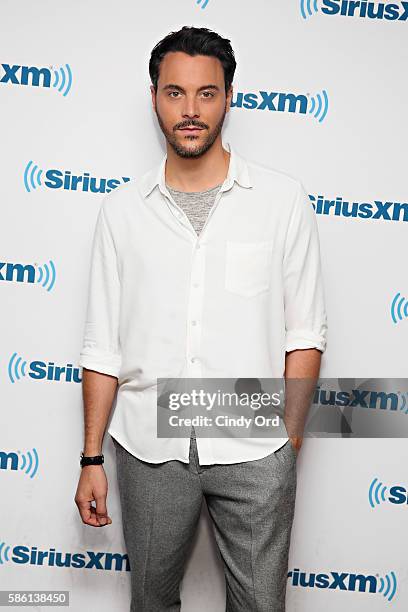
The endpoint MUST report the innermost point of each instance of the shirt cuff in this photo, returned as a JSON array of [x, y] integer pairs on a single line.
[[106, 363], [304, 339]]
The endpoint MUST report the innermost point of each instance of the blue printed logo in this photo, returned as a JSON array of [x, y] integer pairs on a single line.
[[58, 78], [388, 11], [29, 273], [64, 179], [362, 398], [399, 308], [386, 211], [25, 555], [345, 581], [41, 370], [202, 2], [26, 462], [317, 106], [379, 493]]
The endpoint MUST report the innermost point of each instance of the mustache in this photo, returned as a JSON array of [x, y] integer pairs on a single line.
[[181, 126]]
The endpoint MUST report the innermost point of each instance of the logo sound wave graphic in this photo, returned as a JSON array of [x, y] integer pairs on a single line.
[[63, 79], [29, 463], [388, 586], [376, 493], [32, 176], [319, 105], [47, 275], [404, 406], [16, 368], [204, 3], [399, 308], [4, 553], [308, 7]]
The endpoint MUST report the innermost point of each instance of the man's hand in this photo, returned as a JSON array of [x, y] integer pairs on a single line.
[[296, 443], [93, 486]]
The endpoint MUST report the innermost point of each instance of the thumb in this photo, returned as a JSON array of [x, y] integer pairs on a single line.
[[101, 512]]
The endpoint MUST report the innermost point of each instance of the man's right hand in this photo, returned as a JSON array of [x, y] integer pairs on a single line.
[[93, 486]]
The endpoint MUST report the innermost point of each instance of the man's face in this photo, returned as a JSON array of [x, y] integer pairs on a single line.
[[190, 94]]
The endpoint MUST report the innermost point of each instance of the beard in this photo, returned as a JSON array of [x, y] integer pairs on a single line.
[[200, 149]]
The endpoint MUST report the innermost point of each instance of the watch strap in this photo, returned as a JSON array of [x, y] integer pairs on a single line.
[[95, 460]]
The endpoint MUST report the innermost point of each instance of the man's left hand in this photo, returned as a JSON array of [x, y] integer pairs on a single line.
[[296, 443]]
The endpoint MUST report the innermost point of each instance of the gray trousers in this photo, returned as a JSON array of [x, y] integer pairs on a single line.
[[251, 505]]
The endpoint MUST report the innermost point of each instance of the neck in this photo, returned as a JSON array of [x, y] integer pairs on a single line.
[[197, 174]]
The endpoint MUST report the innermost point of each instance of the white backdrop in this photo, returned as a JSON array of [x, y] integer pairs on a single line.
[[75, 101]]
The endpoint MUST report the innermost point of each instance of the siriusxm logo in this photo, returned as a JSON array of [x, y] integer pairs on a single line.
[[28, 273], [344, 581], [58, 78], [202, 2], [24, 555], [317, 105], [399, 308], [387, 211], [64, 179], [363, 399], [379, 493], [389, 11], [26, 462], [41, 370]]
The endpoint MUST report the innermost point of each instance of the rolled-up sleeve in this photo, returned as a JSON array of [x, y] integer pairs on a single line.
[[101, 346], [304, 303]]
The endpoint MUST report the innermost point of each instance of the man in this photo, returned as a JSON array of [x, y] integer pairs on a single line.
[[206, 266]]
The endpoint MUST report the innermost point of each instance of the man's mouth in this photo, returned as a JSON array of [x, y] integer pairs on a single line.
[[190, 129]]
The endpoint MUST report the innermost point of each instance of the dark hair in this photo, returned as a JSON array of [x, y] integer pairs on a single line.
[[194, 41]]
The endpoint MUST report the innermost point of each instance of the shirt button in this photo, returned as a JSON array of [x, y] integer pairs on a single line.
[[193, 322], [196, 284], [198, 246], [193, 359]]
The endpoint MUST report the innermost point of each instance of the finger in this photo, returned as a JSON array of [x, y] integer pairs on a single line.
[[87, 512], [99, 520]]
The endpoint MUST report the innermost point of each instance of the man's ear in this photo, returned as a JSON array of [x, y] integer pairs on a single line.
[[153, 97]]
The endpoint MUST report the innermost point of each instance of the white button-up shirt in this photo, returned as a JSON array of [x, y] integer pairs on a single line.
[[164, 302]]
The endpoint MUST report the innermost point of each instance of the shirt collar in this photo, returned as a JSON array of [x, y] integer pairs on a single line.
[[237, 171]]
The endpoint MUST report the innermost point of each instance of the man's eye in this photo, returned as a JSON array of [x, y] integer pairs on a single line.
[[172, 92], [209, 92]]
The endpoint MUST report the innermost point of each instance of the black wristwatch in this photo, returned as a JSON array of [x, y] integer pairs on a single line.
[[96, 460]]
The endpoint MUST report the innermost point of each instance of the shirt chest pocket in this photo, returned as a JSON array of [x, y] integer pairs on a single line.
[[248, 267]]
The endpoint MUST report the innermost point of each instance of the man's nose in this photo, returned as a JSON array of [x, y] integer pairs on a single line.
[[191, 107]]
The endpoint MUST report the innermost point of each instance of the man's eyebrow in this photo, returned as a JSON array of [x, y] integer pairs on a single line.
[[179, 88]]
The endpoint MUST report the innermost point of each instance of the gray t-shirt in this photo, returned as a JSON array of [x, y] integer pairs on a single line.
[[196, 204]]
